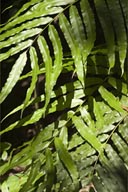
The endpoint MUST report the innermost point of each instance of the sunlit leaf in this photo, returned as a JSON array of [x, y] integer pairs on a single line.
[[13, 76], [81, 109], [20, 37], [99, 115], [24, 7], [64, 135], [87, 133], [76, 54], [28, 25], [4, 187], [78, 28], [35, 69], [57, 66], [48, 66], [38, 10], [111, 99], [18, 48]]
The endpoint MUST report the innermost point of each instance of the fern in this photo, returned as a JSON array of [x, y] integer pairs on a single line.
[[82, 143]]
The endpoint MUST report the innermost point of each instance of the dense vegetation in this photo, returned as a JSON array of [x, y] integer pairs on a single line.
[[64, 96]]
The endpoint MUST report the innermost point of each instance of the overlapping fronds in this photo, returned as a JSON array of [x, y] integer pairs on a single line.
[[81, 121]]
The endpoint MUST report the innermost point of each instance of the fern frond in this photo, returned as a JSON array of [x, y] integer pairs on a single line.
[[87, 133], [76, 54], [89, 22], [20, 37], [111, 100], [121, 35], [83, 139], [13, 76], [67, 160], [17, 49], [35, 69], [29, 25], [106, 23]]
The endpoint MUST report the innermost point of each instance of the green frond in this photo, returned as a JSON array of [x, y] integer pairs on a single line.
[[72, 55], [67, 161], [24, 8], [29, 25], [14, 50], [48, 66], [98, 115], [89, 22], [87, 133], [58, 54], [106, 23], [13, 76], [50, 169], [111, 100], [35, 69], [77, 28], [74, 46], [20, 37], [121, 35]]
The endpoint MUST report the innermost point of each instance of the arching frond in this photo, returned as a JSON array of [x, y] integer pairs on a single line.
[[80, 111]]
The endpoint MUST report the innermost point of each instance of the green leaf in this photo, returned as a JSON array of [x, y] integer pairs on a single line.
[[15, 181], [66, 28], [57, 67], [99, 115], [24, 7], [106, 23], [48, 67], [15, 110], [13, 76], [67, 160], [52, 72], [118, 84], [121, 35], [60, 2], [123, 130], [40, 9], [89, 21], [32, 118], [64, 135], [35, 167], [20, 37], [50, 170], [76, 53], [78, 28], [41, 141], [87, 118], [121, 146], [29, 150], [111, 100], [87, 133], [28, 25], [4, 187], [18, 48], [28, 120], [35, 69], [75, 141]]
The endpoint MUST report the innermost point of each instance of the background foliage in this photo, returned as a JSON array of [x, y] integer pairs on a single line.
[[65, 96]]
